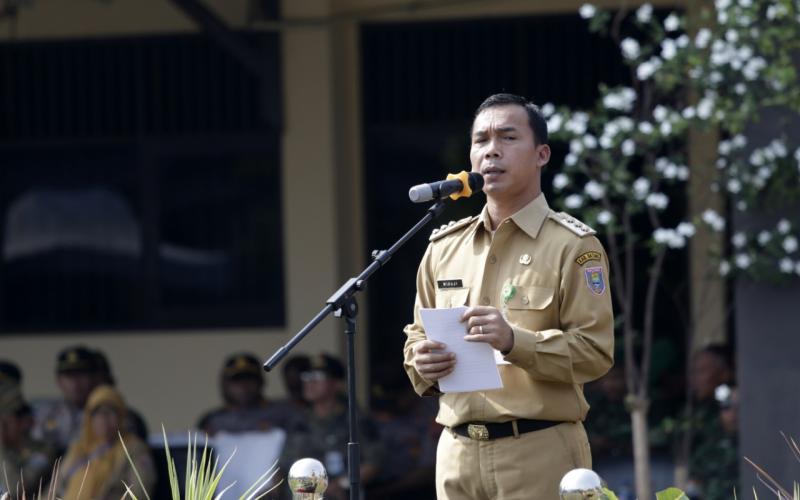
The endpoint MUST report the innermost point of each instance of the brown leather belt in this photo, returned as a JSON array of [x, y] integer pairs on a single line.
[[485, 431]]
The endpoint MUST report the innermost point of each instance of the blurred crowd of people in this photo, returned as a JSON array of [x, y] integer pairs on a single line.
[[693, 421], [81, 434], [94, 444]]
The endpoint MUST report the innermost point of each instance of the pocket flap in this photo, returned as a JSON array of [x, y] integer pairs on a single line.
[[531, 297], [452, 297]]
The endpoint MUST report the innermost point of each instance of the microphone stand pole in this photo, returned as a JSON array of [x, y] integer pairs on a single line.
[[343, 304]]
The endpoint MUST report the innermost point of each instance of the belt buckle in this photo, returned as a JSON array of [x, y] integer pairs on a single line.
[[478, 432]]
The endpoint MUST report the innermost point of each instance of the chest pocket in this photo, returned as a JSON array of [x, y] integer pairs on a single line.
[[451, 297], [533, 298]]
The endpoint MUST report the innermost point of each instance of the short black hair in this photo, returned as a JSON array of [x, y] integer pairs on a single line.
[[535, 118]]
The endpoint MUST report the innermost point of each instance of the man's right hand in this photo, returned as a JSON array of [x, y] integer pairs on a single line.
[[429, 363]]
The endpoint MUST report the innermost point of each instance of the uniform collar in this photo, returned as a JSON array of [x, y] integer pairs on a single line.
[[529, 218]]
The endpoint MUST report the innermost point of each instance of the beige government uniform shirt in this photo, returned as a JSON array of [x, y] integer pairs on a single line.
[[548, 274]]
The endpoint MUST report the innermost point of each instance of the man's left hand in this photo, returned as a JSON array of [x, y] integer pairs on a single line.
[[486, 324]]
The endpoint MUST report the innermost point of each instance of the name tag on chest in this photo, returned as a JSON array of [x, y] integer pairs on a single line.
[[445, 284]]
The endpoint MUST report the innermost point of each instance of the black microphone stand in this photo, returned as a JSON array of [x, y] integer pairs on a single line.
[[343, 304]]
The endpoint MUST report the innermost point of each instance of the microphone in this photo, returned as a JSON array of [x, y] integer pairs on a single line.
[[460, 185]]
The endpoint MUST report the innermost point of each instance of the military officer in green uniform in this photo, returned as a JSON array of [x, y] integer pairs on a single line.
[[536, 284], [24, 462], [324, 433]]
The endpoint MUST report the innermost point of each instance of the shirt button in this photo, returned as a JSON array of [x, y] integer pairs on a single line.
[[525, 300], [492, 259], [485, 301]]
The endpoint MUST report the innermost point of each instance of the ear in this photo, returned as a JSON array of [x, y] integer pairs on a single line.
[[542, 155]]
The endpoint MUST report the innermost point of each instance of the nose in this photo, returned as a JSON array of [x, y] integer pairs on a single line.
[[492, 149]]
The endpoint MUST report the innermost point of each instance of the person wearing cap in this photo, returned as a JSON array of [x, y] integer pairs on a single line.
[[24, 462], [246, 409], [535, 284], [104, 376], [324, 432], [58, 422]]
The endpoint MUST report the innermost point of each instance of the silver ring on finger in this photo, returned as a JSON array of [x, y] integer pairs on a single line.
[[480, 329]]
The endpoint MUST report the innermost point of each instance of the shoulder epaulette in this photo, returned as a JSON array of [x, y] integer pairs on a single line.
[[571, 223], [451, 227]]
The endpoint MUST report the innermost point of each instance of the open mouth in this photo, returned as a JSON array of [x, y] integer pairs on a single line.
[[492, 171]]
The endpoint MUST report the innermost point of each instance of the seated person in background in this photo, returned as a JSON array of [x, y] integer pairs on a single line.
[[96, 465], [246, 409], [407, 427], [324, 433], [58, 421], [293, 368], [24, 462], [103, 376], [608, 426]]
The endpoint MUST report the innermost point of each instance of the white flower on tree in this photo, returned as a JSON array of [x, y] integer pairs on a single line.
[[648, 68], [713, 219], [686, 229], [789, 244], [560, 181], [739, 239], [704, 108], [604, 217], [644, 13], [724, 268], [784, 226], [702, 39], [594, 190], [577, 123], [628, 147], [764, 237], [641, 188], [630, 48], [554, 123], [734, 185], [547, 109], [672, 22], [590, 141], [743, 260], [576, 146], [621, 100], [587, 11], [573, 201], [669, 237], [571, 159], [669, 48], [688, 113], [646, 128], [786, 265], [659, 201], [753, 67], [722, 4]]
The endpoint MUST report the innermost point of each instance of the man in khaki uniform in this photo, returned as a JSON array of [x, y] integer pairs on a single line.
[[536, 283]]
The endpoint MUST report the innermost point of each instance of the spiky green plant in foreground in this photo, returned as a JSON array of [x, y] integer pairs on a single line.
[[203, 475]]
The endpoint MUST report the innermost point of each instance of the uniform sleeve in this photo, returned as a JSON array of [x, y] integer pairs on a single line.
[[581, 350], [426, 298]]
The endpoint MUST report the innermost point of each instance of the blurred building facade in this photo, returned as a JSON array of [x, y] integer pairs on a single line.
[[187, 178]]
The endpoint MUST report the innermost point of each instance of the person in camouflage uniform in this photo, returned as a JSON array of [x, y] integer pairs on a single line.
[[323, 434], [246, 409], [24, 462]]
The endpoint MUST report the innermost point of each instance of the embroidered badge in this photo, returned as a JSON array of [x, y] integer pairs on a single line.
[[594, 280], [525, 259], [508, 292], [586, 257], [444, 284]]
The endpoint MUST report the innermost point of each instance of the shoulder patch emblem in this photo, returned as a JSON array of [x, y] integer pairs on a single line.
[[586, 257], [450, 227], [595, 280]]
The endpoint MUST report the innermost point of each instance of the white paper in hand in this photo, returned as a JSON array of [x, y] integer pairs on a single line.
[[476, 367]]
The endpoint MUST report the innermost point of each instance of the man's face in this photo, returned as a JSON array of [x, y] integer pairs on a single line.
[[76, 386], [318, 386], [707, 372], [504, 152], [242, 391]]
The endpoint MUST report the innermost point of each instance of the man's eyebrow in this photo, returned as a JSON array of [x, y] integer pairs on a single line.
[[502, 130]]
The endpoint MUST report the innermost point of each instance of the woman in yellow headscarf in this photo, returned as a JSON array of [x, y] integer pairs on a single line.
[[96, 465]]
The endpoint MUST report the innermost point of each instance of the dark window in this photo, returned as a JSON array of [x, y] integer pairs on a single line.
[[139, 186]]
